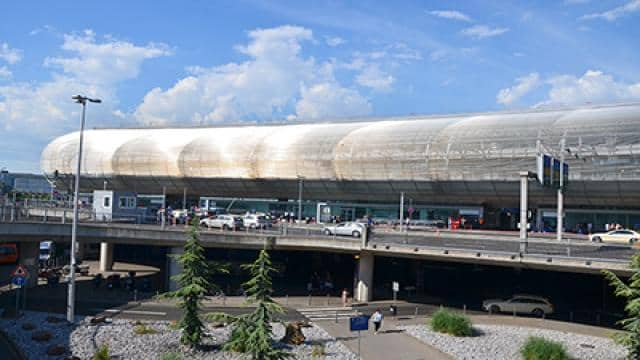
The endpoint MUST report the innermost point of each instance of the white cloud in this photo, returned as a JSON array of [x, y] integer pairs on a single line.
[[329, 100], [267, 85], [104, 63], [334, 41], [524, 85], [371, 76], [483, 31], [615, 13], [592, 87], [5, 73], [10, 55], [451, 15], [93, 69]]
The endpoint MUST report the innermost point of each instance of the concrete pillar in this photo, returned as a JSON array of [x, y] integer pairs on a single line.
[[364, 280], [106, 257], [173, 266]]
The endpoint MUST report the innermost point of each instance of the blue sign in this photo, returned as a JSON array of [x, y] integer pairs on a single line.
[[18, 281], [359, 323]]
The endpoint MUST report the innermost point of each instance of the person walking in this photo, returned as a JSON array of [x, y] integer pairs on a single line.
[[377, 321]]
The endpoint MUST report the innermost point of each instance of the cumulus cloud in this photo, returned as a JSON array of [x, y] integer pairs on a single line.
[[10, 55], [374, 78], [5, 73], [592, 87], [275, 79], [329, 100], [92, 68], [451, 15], [524, 85], [615, 13], [483, 31]]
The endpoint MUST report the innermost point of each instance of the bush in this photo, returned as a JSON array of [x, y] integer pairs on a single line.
[[102, 353], [143, 330], [538, 348], [317, 351], [171, 356], [451, 323]]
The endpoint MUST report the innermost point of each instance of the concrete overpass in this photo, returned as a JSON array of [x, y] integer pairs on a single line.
[[487, 248]]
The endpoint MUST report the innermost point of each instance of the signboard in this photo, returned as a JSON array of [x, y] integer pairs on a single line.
[[18, 280], [359, 323], [544, 169], [549, 171], [20, 271], [396, 286]]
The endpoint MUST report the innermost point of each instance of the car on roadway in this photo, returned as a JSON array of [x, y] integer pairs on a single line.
[[256, 221], [520, 304], [622, 236], [346, 228], [225, 222]]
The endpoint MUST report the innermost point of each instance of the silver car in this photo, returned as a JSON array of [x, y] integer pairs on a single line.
[[254, 221], [346, 228], [226, 222], [520, 304]]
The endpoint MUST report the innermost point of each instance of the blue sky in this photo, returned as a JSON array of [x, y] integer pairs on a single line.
[[162, 63]]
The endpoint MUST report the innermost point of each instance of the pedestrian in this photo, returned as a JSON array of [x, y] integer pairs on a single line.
[[345, 297], [377, 321]]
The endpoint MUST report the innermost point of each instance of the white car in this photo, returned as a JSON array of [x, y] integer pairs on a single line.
[[226, 222], [520, 304], [255, 221], [617, 236], [346, 228]]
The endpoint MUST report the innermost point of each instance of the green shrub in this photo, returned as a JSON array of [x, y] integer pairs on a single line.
[[538, 348], [102, 353], [451, 323], [143, 330], [171, 356], [318, 351]]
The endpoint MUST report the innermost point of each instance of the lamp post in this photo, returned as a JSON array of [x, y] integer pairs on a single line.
[[72, 268]]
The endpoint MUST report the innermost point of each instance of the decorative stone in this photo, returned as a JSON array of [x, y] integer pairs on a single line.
[[98, 319], [28, 326], [293, 334], [56, 350], [41, 336]]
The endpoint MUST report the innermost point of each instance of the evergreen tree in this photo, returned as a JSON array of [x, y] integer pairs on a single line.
[[631, 291], [193, 284], [252, 332]]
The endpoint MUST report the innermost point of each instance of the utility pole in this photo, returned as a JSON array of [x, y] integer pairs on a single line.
[[524, 188], [560, 209]]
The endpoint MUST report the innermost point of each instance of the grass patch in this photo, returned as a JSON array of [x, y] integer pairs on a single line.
[[447, 322], [538, 348], [144, 330], [171, 356], [102, 353]]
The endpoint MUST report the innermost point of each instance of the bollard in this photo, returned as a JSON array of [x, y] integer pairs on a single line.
[[336, 316], [328, 299], [309, 302], [464, 309], [415, 315]]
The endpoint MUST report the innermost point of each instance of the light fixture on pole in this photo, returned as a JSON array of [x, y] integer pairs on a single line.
[[72, 268]]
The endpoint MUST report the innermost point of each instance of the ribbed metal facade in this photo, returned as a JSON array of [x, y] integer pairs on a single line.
[[471, 158]]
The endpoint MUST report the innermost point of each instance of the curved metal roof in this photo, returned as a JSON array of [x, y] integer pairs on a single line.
[[474, 147]]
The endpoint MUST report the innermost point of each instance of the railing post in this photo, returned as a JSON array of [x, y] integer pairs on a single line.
[[44, 217], [13, 214], [64, 216]]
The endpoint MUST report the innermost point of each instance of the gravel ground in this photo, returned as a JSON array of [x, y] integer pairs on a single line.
[[83, 339], [504, 342]]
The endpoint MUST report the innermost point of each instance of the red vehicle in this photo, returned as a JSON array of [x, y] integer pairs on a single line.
[[8, 253]]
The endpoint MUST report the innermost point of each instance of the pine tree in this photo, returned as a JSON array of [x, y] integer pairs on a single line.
[[631, 291], [252, 333], [193, 284]]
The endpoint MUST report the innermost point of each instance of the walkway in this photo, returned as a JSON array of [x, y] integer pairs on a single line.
[[388, 344]]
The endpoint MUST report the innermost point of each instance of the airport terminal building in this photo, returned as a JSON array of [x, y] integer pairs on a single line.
[[446, 166]]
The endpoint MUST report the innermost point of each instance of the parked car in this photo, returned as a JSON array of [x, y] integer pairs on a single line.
[[346, 228], [226, 222], [616, 236], [520, 304], [255, 221]]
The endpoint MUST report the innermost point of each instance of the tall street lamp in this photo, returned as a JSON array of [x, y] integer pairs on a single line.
[[72, 269]]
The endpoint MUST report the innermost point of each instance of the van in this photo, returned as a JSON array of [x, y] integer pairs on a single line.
[[47, 252]]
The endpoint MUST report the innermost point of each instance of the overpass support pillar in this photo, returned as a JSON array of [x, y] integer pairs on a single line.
[[106, 257], [173, 266], [364, 278]]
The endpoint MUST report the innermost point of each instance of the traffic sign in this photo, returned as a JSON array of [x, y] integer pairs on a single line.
[[20, 271], [18, 281], [359, 323], [396, 286]]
